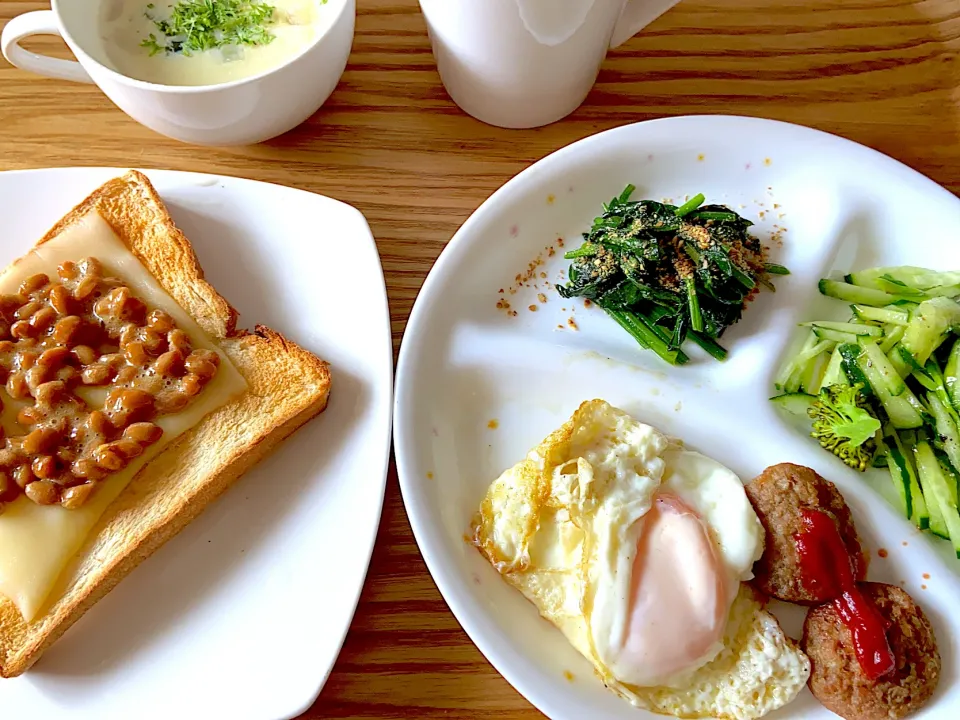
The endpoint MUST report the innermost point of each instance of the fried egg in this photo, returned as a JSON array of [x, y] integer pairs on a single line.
[[637, 550]]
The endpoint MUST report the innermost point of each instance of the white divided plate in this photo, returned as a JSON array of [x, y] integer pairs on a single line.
[[243, 614], [478, 386]]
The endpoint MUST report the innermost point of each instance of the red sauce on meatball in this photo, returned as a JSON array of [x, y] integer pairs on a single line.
[[827, 571]]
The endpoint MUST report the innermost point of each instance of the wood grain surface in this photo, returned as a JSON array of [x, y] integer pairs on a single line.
[[390, 142]]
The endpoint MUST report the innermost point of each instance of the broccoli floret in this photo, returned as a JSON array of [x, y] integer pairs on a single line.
[[844, 424]]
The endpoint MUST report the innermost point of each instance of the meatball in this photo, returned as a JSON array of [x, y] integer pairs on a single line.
[[778, 495], [836, 679]]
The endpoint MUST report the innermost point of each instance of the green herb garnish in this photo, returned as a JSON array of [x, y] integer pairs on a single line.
[[198, 25], [666, 274]]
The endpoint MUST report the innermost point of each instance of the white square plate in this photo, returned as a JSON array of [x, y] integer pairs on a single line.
[[243, 614], [478, 386]]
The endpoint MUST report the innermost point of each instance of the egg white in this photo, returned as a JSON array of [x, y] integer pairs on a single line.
[[562, 526]]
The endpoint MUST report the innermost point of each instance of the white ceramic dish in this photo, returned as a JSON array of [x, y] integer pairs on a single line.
[[525, 63], [465, 363], [242, 615]]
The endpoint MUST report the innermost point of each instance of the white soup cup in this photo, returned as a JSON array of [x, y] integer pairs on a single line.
[[241, 112]]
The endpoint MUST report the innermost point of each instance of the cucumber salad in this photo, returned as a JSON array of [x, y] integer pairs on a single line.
[[882, 389]]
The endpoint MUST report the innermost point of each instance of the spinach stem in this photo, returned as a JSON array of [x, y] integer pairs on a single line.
[[708, 344], [690, 205], [775, 269], [620, 317], [766, 283], [696, 318], [714, 215], [657, 312], [742, 278], [660, 332], [585, 250], [644, 335]]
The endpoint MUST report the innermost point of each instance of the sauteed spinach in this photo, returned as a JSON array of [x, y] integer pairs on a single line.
[[668, 273]]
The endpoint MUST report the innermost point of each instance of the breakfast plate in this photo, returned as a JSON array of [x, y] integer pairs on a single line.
[[241, 615], [494, 359]]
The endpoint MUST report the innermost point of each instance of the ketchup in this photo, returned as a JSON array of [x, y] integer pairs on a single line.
[[828, 572]]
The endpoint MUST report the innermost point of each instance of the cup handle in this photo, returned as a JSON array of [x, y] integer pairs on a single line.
[[635, 16], [39, 22]]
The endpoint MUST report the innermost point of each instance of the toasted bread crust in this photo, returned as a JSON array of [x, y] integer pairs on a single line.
[[132, 207], [287, 386]]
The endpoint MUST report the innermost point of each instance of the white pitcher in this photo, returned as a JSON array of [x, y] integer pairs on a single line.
[[525, 63]]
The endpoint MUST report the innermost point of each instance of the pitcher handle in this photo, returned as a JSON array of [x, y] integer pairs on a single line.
[[635, 16], [38, 22]]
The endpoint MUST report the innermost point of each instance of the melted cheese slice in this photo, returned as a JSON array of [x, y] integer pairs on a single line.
[[37, 542]]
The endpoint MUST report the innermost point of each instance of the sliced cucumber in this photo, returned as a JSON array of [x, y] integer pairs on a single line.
[[901, 364], [932, 370], [925, 380], [812, 375], [792, 383], [864, 278], [789, 376], [935, 488], [874, 356], [950, 473], [797, 403], [919, 513], [892, 314], [851, 328], [950, 376], [946, 428], [930, 324], [907, 358], [834, 374], [901, 480], [890, 285], [938, 525], [950, 291], [821, 346], [891, 336], [856, 294], [914, 277], [836, 335], [851, 367], [924, 279], [807, 367], [904, 410]]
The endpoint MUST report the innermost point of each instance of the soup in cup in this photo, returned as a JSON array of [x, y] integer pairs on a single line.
[[208, 72]]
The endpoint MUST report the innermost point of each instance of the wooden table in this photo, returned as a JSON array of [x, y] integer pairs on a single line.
[[390, 142]]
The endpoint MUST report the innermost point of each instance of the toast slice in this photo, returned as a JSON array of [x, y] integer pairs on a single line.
[[286, 386]]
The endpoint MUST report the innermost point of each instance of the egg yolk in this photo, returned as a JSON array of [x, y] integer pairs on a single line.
[[678, 604]]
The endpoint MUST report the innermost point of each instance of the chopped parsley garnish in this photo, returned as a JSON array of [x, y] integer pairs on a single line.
[[197, 25]]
